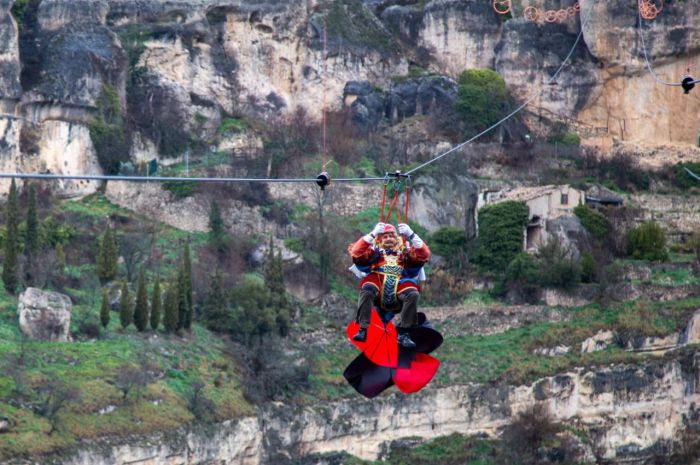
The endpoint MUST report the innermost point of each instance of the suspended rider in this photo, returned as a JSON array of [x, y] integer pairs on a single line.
[[390, 269]]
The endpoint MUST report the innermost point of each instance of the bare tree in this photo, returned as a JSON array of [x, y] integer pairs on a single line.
[[132, 378], [135, 247], [52, 396], [202, 407]]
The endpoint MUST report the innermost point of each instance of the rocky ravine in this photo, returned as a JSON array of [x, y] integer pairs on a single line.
[[625, 409]]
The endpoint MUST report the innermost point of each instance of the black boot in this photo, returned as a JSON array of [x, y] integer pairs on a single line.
[[405, 340], [361, 335]]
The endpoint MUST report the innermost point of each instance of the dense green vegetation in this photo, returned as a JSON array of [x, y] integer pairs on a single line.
[[682, 178], [647, 241], [500, 239], [108, 132], [565, 138], [482, 98], [597, 225]]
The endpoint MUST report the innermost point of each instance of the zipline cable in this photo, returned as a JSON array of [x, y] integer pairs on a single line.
[[98, 177], [646, 56], [691, 174], [584, 21]]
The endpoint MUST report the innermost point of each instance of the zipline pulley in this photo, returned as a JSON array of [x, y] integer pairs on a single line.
[[687, 84], [323, 180]]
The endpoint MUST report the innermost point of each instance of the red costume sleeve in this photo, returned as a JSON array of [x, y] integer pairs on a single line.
[[360, 251], [419, 256]]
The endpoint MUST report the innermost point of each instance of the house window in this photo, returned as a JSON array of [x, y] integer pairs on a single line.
[[564, 199]]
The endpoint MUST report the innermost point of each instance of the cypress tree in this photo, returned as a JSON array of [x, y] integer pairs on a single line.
[[31, 242], [141, 309], [126, 312], [104, 309], [274, 277], [107, 257], [9, 264], [155, 305], [215, 311], [183, 311], [274, 282], [217, 232], [170, 319], [187, 291], [60, 260]]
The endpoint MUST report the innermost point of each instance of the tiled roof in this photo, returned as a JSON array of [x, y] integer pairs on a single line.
[[529, 193]]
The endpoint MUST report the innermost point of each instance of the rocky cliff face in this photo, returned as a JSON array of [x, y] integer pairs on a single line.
[[178, 68], [626, 410]]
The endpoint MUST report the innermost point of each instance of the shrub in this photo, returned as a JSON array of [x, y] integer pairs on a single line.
[[681, 176], [180, 189], [482, 98], [232, 125], [445, 288], [273, 377], [500, 234], [647, 242], [589, 268], [294, 244], [622, 171], [522, 277], [289, 141], [693, 245], [558, 267], [595, 222], [451, 243], [566, 138]]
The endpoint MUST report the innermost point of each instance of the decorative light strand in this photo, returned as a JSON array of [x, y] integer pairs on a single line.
[[502, 7], [533, 14], [649, 9]]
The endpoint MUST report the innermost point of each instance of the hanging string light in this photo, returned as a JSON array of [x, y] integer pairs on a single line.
[[650, 9], [533, 14], [502, 7]]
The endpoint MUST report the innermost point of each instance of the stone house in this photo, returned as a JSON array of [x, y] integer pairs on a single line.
[[544, 203]]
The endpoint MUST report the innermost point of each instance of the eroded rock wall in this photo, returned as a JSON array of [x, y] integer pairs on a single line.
[[626, 410], [179, 68]]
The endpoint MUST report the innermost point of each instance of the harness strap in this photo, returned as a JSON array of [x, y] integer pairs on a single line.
[[381, 213], [391, 206]]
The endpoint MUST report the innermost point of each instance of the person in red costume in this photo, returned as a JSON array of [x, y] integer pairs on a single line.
[[390, 273]]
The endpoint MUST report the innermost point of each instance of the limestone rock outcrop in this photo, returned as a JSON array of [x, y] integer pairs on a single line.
[[10, 87], [178, 68], [627, 411], [44, 315], [188, 214], [445, 200]]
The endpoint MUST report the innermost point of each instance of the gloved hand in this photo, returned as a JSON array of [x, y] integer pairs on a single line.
[[405, 230], [378, 229]]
